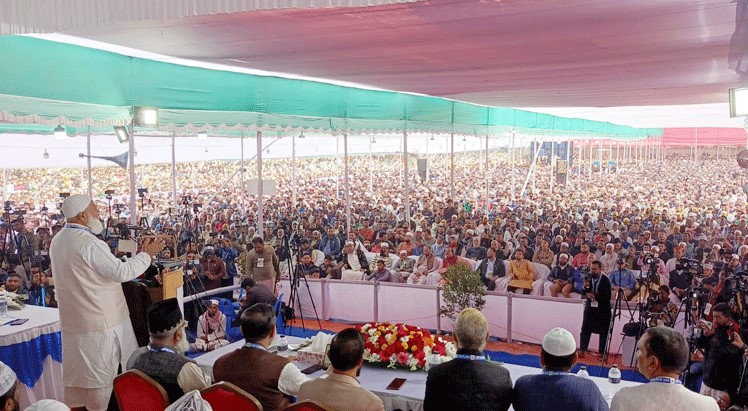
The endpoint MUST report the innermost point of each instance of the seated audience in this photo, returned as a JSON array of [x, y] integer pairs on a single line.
[[469, 382], [270, 378], [556, 389], [254, 293], [491, 269], [381, 274], [404, 266], [426, 263], [163, 359], [9, 393], [352, 264], [340, 390], [14, 283], [521, 273], [561, 277], [623, 279], [662, 353], [211, 329]]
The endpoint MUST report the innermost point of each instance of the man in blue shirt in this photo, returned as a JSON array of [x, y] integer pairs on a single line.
[[556, 389], [622, 279]]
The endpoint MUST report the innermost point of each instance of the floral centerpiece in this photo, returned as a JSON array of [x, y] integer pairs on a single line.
[[402, 346], [15, 301]]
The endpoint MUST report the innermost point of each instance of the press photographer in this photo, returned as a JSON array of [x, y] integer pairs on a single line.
[[660, 310], [597, 309], [723, 354]]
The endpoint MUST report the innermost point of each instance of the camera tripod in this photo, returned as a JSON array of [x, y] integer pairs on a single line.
[[296, 274]]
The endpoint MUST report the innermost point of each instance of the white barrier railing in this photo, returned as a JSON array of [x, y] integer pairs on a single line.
[[513, 317]]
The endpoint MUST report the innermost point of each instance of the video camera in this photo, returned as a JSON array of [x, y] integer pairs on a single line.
[[690, 266], [650, 259], [587, 276]]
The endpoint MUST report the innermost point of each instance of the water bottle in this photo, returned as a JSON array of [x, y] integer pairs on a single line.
[[614, 375], [583, 372], [431, 361], [282, 343], [3, 305]]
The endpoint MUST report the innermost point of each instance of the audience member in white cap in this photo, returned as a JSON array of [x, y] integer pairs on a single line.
[[211, 329], [8, 389], [662, 353], [96, 331], [556, 389]]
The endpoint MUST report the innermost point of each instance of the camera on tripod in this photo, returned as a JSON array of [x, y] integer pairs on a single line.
[[142, 192], [649, 259], [690, 266], [109, 194], [587, 276]]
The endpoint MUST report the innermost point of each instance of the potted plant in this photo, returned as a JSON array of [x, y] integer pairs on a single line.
[[463, 288]]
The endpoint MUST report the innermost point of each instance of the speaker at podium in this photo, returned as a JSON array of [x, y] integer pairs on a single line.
[[140, 296]]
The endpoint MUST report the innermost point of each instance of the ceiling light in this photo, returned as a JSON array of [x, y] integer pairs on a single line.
[[267, 151], [206, 149], [432, 137], [60, 133], [146, 116], [302, 135], [739, 102], [45, 154], [373, 140], [122, 135], [202, 136], [464, 138]]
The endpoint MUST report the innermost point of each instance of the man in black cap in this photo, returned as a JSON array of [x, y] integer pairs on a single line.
[[163, 359]]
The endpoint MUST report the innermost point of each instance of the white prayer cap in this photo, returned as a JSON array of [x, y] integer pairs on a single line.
[[214, 302], [191, 401], [7, 378], [384, 245], [403, 252], [75, 204], [559, 342], [48, 405]]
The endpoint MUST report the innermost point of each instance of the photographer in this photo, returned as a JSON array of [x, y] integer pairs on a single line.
[[662, 311], [596, 308], [723, 352], [680, 280]]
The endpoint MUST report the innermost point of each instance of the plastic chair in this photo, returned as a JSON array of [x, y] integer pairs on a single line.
[[136, 391], [307, 405], [224, 396], [278, 307]]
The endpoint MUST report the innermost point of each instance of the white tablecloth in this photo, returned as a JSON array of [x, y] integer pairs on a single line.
[[41, 332], [410, 395]]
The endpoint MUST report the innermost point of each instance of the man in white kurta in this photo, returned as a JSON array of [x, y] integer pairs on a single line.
[[96, 331]]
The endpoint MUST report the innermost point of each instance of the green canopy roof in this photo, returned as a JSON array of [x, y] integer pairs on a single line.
[[50, 83]]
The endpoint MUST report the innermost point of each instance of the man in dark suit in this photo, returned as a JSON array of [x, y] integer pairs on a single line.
[[490, 269], [468, 382], [596, 308]]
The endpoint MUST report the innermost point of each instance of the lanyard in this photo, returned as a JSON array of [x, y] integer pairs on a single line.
[[78, 227], [255, 346], [549, 372], [162, 349], [470, 357], [667, 380]]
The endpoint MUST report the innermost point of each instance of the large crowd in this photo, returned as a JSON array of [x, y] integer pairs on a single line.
[[611, 220]]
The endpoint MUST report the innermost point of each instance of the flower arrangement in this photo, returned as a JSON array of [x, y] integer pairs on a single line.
[[402, 346], [15, 301]]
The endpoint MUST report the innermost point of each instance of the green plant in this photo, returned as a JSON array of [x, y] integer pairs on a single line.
[[463, 288]]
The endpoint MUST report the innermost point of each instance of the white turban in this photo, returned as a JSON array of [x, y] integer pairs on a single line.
[[75, 204], [7, 378], [214, 302]]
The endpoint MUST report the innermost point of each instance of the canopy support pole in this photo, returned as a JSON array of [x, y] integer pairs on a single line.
[[337, 166], [293, 175], [600, 155], [568, 163], [514, 177], [260, 230], [537, 150], [242, 185], [552, 159], [592, 149], [5, 184], [131, 153], [371, 170], [610, 155], [347, 187], [406, 178], [696, 145], [488, 183], [452, 168], [88, 161], [530, 172], [174, 170]]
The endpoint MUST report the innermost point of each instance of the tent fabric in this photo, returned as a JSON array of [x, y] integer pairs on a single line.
[[52, 80], [704, 136], [43, 16]]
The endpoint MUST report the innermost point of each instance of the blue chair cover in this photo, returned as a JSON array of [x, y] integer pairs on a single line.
[[279, 325]]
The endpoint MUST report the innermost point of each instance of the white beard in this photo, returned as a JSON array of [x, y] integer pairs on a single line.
[[94, 224], [183, 346]]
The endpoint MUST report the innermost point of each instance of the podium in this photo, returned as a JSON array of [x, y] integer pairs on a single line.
[[139, 297]]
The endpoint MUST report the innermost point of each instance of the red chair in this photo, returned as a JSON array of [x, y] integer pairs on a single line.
[[307, 405], [225, 396], [136, 391]]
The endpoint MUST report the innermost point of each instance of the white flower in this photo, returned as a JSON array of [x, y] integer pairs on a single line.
[[367, 354], [375, 358], [373, 339], [451, 350], [372, 331], [405, 339]]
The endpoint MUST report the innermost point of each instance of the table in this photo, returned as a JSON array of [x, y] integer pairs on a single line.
[[410, 395], [34, 351]]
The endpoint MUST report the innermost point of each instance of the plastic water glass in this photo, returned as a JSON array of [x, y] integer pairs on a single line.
[[431, 361], [282, 343]]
